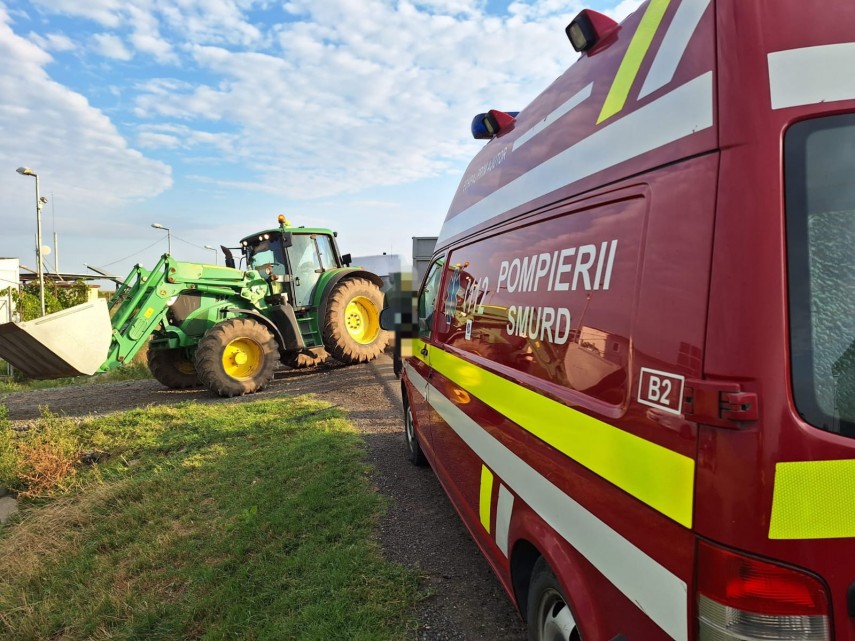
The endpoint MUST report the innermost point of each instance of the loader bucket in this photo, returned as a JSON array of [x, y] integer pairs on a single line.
[[72, 342]]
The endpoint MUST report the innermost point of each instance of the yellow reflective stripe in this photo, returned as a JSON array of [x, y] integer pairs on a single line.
[[486, 496], [661, 478], [417, 346], [635, 52], [813, 500]]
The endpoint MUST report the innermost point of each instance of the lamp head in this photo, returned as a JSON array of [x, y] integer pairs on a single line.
[[25, 171]]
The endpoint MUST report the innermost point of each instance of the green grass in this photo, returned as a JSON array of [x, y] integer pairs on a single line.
[[219, 521], [131, 372]]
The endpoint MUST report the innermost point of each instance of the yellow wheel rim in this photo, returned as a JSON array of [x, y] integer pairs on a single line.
[[242, 358], [362, 319], [185, 366]]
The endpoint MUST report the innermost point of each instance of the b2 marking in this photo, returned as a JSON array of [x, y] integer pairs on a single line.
[[661, 390]]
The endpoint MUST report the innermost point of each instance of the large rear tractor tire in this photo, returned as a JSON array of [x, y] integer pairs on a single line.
[[352, 332], [173, 367], [236, 357]]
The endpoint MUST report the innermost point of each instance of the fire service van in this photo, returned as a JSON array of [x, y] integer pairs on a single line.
[[634, 371]]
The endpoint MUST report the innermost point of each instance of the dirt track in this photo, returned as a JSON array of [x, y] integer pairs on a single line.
[[420, 529]]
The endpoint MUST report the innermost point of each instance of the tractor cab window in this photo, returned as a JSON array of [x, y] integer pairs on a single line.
[[306, 265], [325, 248], [266, 256]]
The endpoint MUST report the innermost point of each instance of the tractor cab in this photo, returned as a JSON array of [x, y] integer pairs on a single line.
[[292, 259]]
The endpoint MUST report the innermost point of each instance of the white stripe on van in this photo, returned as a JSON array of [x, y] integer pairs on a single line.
[[504, 509], [577, 99], [661, 595], [674, 45], [812, 75], [679, 113]]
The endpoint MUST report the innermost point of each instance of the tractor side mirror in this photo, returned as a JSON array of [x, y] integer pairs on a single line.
[[346, 259], [287, 240]]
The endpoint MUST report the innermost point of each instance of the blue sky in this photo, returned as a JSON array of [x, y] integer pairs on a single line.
[[213, 116]]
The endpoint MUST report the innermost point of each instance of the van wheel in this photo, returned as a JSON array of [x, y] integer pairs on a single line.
[[236, 357], [414, 450], [549, 617], [352, 332], [173, 367]]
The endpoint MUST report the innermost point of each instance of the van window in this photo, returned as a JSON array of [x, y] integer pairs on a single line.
[[820, 190], [427, 298]]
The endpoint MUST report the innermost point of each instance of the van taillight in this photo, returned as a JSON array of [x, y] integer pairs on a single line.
[[744, 598]]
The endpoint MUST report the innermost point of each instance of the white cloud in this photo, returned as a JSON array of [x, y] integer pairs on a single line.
[[104, 12], [110, 46], [74, 147], [53, 42], [625, 8], [183, 137], [309, 99], [364, 93]]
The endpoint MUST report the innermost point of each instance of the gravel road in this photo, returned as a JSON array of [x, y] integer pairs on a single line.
[[420, 529]]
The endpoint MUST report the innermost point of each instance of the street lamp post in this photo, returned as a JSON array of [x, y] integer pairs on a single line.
[[168, 236], [213, 249], [26, 171]]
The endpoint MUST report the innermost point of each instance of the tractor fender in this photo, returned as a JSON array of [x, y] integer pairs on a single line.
[[261, 318], [335, 280]]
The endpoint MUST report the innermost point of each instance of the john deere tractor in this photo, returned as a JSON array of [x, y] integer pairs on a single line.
[[292, 298]]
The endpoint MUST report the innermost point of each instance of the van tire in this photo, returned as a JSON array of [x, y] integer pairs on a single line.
[[548, 615], [173, 368], [236, 357], [352, 332], [414, 450]]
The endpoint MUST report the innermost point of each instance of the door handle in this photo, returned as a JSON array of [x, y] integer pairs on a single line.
[[423, 351]]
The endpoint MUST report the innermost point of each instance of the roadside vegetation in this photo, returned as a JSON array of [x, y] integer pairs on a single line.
[[57, 297], [134, 371], [231, 520]]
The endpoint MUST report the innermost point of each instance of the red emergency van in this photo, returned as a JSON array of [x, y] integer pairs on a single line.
[[635, 367]]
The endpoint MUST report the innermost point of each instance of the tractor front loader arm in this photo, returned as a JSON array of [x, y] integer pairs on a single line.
[[141, 303]]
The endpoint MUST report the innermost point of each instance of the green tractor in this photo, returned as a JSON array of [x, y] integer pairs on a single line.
[[224, 328]]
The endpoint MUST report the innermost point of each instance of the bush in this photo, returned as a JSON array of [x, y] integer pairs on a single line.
[[40, 460], [56, 298]]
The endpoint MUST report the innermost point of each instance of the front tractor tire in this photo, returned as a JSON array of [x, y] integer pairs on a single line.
[[236, 357], [352, 332], [173, 367]]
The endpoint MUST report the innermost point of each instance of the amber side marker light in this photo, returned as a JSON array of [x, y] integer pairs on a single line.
[[743, 598], [591, 31]]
